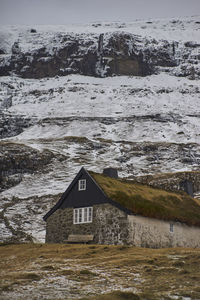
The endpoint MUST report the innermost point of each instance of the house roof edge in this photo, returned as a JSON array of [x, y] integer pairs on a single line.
[[60, 201]]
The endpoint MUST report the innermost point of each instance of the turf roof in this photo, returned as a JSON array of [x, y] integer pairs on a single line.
[[150, 202]]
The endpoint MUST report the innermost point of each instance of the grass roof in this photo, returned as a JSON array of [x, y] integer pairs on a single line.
[[150, 202]]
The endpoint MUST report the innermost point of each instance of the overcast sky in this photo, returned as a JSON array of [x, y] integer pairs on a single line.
[[84, 11]]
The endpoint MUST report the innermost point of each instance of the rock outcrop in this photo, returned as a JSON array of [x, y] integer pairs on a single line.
[[107, 54], [18, 159], [172, 181], [11, 125], [94, 56]]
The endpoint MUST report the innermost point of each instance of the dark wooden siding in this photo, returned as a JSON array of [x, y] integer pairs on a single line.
[[74, 198], [91, 196]]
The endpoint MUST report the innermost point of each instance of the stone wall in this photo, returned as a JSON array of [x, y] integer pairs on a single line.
[[112, 226], [109, 225], [152, 233]]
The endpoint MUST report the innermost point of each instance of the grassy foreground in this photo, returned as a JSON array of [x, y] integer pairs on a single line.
[[98, 272]]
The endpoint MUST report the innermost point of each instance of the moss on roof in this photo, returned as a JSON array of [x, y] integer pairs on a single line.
[[150, 202]]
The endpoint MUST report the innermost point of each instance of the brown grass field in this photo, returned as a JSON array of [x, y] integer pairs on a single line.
[[98, 272]]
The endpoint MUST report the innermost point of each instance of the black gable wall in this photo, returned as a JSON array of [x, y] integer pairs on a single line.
[[91, 196], [109, 223]]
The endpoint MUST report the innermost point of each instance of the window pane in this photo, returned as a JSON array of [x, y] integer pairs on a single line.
[[80, 215], [82, 184], [85, 214], [90, 214]]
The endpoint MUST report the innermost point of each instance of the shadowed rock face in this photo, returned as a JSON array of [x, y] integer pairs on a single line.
[[127, 66], [12, 125], [17, 159], [100, 56], [37, 53], [117, 53], [122, 57]]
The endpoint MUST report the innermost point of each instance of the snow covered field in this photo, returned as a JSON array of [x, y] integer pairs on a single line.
[[133, 101]]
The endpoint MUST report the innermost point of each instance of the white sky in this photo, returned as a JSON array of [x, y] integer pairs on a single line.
[[83, 11]]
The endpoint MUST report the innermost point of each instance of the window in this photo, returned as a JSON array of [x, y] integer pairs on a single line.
[[82, 185], [83, 215], [171, 228]]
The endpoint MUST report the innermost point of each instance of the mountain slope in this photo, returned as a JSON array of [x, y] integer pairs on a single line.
[[143, 123]]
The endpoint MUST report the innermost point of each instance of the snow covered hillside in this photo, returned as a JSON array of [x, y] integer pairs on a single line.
[[95, 95]]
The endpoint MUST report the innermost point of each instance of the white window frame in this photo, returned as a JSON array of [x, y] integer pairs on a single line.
[[82, 185], [83, 215]]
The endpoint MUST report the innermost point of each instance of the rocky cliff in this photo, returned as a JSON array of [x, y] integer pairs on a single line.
[[18, 159], [96, 54]]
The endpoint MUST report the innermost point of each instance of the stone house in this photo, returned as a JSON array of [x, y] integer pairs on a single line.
[[102, 209]]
